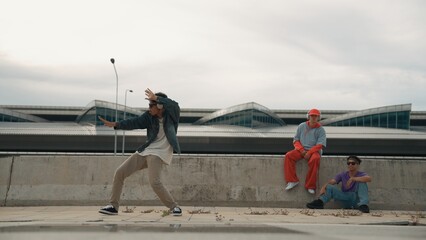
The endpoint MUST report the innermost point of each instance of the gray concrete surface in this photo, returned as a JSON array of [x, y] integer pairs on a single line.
[[200, 180], [84, 222]]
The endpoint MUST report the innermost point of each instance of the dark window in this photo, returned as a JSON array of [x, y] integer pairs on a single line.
[[367, 121], [383, 120], [403, 120], [392, 120], [375, 120]]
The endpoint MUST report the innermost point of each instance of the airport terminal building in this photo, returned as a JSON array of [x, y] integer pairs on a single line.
[[248, 128]]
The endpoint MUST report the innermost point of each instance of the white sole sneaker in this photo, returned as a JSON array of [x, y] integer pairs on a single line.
[[291, 185], [107, 212], [177, 211]]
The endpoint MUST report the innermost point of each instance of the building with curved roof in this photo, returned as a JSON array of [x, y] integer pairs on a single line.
[[106, 110], [7, 115], [395, 116], [250, 115], [247, 128]]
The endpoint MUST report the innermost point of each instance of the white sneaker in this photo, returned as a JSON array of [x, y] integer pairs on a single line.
[[311, 191], [109, 209], [291, 185], [176, 211]]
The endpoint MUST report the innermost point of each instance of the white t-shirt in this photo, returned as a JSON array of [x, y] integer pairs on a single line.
[[160, 147]]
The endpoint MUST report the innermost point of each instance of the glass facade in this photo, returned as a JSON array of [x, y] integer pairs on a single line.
[[7, 115], [251, 118], [91, 116], [400, 120], [8, 118]]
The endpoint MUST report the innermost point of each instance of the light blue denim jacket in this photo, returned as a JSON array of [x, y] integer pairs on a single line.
[[171, 117]]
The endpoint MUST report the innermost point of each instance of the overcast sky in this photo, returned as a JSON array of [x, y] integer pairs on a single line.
[[327, 54]]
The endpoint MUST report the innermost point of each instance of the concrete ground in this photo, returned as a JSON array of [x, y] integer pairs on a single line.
[[65, 222], [129, 215]]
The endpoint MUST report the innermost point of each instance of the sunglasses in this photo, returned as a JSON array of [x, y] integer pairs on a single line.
[[152, 105], [351, 163]]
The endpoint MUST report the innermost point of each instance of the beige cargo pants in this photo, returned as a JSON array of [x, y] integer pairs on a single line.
[[135, 163]]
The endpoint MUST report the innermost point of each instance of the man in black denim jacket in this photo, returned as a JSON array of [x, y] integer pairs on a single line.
[[161, 122]]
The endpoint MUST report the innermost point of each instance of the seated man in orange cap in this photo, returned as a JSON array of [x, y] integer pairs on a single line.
[[308, 142]]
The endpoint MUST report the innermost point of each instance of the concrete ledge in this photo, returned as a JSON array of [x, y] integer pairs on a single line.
[[199, 180]]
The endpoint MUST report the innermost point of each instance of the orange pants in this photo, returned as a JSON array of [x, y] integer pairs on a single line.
[[290, 168]]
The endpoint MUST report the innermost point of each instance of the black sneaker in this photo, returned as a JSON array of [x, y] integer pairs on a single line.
[[364, 208], [316, 204], [176, 211], [109, 209]]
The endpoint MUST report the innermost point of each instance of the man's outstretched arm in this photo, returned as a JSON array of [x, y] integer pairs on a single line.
[[107, 123]]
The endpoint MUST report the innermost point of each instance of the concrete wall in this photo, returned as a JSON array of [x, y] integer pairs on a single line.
[[199, 180]]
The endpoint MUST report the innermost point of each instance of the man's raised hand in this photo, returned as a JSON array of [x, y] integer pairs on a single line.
[[107, 123]]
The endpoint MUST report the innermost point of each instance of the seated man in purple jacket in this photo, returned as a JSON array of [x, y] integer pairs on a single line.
[[354, 190]]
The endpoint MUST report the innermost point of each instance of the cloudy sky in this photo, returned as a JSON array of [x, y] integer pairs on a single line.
[[328, 54]]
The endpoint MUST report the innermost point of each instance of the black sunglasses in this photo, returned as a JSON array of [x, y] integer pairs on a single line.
[[351, 163], [152, 105]]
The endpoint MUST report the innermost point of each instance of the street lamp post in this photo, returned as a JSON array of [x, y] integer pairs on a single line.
[[116, 107], [125, 108]]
